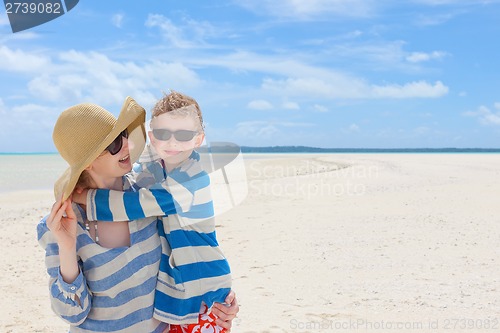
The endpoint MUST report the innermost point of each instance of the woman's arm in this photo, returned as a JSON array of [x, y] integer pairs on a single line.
[[69, 294], [62, 223]]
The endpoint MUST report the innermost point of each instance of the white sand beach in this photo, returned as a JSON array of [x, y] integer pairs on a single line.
[[326, 242]]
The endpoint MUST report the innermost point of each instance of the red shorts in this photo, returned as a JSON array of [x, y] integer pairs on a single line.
[[206, 324]]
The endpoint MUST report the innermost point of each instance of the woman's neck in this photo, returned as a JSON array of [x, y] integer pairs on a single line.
[[109, 183]]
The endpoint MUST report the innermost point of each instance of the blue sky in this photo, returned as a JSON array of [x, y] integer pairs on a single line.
[[323, 73]]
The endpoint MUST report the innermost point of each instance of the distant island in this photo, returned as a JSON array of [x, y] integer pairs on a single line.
[[305, 149]]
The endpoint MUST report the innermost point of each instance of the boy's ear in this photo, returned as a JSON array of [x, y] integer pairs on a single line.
[[199, 139], [150, 136]]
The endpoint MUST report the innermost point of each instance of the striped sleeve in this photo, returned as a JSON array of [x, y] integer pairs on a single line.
[[109, 205], [70, 301]]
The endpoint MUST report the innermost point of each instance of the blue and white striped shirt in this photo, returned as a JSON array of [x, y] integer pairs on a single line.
[[114, 291], [193, 269]]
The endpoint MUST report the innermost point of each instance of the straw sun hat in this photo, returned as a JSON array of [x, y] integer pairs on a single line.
[[83, 132]]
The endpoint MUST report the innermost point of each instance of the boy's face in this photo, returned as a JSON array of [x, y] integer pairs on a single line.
[[174, 150]]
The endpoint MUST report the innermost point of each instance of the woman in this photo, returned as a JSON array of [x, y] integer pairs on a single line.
[[103, 275]]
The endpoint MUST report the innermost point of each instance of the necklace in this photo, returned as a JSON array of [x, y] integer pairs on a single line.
[[87, 227]]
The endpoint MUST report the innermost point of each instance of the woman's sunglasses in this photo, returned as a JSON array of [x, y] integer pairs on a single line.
[[164, 134], [117, 144]]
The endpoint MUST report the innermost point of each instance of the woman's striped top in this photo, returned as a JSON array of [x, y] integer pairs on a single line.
[[114, 291]]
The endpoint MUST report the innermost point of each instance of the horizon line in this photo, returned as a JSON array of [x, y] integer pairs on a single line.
[[313, 149]]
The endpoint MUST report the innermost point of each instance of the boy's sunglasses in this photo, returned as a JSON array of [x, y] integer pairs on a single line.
[[164, 134], [117, 144]]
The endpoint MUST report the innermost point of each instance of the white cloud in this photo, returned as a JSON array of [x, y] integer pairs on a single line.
[[485, 116], [4, 20], [301, 80], [270, 133], [117, 20], [351, 129], [419, 89], [291, 106], [20, 61], [60, 87], [416, 57], [314, 87], [21, 37], [260, 129], [354, 128], [292, 124], [355, 88], [279, 65], [170, 32], [260, 104], [93, 76], [435, 19], [30, 128], [382, 55], [320, 108], [299, 9], [188, 34], [421, 130], [454, 2]]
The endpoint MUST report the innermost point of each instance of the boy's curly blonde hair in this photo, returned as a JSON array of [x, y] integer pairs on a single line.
[[174, 101]]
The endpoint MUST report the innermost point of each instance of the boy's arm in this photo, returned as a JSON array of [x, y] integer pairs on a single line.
[[168, 199]]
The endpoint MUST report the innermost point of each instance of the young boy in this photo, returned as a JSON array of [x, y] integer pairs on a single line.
[[169, 178]]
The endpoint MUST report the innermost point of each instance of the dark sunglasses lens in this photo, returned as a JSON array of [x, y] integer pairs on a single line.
[[115, 146], [184, 135], [162, 134], [181, 135]]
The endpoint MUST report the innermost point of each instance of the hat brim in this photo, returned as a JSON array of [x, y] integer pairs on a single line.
[[132, 117]]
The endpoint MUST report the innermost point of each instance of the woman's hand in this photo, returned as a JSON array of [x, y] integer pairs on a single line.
[[62, 223], [226, 312]]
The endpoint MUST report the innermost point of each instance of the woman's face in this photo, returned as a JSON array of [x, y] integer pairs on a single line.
[[107, 167]]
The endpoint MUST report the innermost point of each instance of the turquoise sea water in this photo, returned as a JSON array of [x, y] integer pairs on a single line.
[[308, 150], [29, 171], [39, 171]]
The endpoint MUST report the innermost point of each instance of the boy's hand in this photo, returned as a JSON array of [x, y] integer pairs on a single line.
[[80, 195], [226, 312]]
